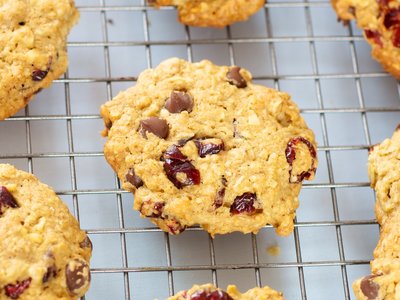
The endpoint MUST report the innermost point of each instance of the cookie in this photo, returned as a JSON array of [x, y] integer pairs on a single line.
[[208, 291], [384, 172], [214, 13], [43, 253], [201, 144], [32, 48], [380, 21]]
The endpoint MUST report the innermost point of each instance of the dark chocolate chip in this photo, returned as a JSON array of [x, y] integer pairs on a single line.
[[369, 288], [235, 78], [86, 243], [6, 199], [133, 179], [21, 23], [50, 273], [77, 275], [157, 126], [15, 290], [205, 147], [178, 102]]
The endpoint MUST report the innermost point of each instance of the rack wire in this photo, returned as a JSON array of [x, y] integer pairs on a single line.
[[343, 94]]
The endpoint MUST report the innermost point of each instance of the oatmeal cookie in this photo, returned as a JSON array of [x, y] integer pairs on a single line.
[[384, 172], [201, 144], [43, 253], [208, 291], [215, 13], [380, 21], [32, 48]]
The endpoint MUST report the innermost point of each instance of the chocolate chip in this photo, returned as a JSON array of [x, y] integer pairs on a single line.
[[369, 288], [77, 274], [157, 126], [86, 243], [178, 102], [50, 273], [133, 179], [21, 23], [6, 199], [235, 78]]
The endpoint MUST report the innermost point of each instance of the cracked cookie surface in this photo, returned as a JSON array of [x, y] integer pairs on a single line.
[[215, 13], [201, 144], [209, 291], [384, 172], [43, 253], [32, 48], [380, 21]]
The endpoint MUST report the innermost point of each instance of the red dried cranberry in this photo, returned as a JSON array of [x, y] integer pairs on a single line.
[[39, 75], [392, 18], [207, 295], [152, 210], [290, 153], [174, 163], [174, 226], [15, 290], [219, 199], [244, 204], [396, 37], [374, 35], [205, 148], [6, 199]]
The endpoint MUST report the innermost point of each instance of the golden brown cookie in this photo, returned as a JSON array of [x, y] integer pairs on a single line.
[[201, 144], [380, 21], [384, 172], [32, 48], [215, 13], [43, 253], [208, 291]]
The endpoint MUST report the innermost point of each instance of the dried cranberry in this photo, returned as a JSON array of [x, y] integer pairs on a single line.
[[290, 153], [152, 210], [208, 295], [39, 75], [174, 163], [219, 199], [392, 18], [244, 204], [375, 35], [205, 148], [396, 37], [6, 199], [15, 290]]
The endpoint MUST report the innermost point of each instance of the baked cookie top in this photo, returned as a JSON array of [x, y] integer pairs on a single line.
[[215, 13], [201, 144], [209, 291], [380, 21], [32, 48], [384, 172], [43, 253]]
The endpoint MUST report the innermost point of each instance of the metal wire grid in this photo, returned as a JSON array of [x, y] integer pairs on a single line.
[[325, 149]]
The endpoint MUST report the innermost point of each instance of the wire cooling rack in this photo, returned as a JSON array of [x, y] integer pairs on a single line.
[[296, 46]]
